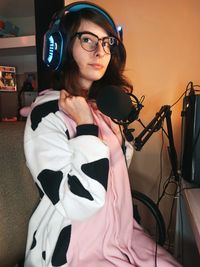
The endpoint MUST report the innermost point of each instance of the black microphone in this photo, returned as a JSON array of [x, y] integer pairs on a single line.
[[116, 104]]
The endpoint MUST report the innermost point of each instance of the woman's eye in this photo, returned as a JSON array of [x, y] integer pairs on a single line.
[[86, 40]]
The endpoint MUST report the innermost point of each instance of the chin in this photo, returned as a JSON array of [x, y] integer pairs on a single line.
[[98, 76], [93, 77]]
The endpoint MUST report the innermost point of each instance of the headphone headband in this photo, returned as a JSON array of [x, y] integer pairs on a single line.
[[81, 5], [54, 38]]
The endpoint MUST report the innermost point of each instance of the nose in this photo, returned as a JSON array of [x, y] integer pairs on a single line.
[[99, 52]]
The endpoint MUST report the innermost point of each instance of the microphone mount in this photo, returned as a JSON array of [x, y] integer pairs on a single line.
[[128, 133], [155, 125], [137, 106]]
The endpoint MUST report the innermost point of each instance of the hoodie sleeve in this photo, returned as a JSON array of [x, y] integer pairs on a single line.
[[71, 174]]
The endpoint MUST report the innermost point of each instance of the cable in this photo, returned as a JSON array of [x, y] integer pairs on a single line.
[[171, 216], [153, 208], [184, 93], [192, 86]]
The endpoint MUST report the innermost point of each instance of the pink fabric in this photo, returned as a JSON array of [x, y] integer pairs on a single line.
[[25, 111], [112, 237]]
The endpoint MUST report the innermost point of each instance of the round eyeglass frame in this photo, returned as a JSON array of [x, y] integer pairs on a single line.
[[112, 42]]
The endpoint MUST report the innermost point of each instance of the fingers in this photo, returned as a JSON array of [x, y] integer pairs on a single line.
[[75, 107], [64, 94]]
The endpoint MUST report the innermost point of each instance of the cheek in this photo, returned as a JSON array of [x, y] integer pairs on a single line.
[[79, 61], [108, 60], [106, 63], [76, 52]]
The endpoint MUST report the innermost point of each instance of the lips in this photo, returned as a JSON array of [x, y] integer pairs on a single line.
[[96, 66]]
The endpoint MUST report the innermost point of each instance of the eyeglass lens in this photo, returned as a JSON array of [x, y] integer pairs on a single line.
[[89, 42]]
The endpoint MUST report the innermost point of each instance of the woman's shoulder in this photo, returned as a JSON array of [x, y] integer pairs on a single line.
[[44, 105], [46, 96]]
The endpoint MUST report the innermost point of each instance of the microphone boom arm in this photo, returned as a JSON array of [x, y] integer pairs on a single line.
[[155, 125], [156, 122]]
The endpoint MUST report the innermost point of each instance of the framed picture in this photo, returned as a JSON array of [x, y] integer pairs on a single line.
[[8, 78]]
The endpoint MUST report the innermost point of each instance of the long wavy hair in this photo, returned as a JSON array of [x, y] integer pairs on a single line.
[[68, 76]]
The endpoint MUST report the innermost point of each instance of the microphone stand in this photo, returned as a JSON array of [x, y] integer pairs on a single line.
[[128, 133], [154, 125]]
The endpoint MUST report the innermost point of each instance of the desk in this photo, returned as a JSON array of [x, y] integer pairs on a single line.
[[187, 239], [192, 201]]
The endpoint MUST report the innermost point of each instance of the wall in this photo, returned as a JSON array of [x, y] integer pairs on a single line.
[[162, 40]]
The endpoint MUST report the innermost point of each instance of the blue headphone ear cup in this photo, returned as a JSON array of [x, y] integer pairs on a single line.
[[53, 49]]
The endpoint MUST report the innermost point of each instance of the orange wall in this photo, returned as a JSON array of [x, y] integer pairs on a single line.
[[163, 47]]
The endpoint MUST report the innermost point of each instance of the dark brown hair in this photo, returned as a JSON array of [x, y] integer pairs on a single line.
[[68, 76]]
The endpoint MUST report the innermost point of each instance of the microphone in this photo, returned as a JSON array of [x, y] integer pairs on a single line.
[[116, 104]]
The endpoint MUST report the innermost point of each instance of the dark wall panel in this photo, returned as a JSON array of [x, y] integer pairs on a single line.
[[44, 11]]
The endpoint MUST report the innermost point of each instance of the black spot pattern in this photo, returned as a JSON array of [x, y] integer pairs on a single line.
[[67, 134], [77, 188], [59, 255], [34, 242], [42, 111], [44, 255], [97, 170], [50, 181]]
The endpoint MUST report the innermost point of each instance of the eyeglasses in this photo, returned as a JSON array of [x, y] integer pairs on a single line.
[[89, 42]]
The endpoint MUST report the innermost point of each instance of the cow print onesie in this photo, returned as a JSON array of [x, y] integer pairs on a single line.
[[84, 217]]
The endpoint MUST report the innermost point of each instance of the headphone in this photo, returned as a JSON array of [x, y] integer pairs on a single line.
[[54, 38]]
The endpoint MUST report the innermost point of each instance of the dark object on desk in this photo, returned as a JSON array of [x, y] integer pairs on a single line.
[[190, 143]]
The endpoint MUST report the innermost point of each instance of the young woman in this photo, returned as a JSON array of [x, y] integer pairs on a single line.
[[74, 152]]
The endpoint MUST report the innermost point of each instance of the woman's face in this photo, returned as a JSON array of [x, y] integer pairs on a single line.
[[92, 65]]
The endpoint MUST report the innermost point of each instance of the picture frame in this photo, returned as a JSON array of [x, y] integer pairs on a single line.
[[8, 78]]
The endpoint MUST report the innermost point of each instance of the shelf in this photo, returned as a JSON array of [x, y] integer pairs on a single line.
[[22, 45], [15, 42]]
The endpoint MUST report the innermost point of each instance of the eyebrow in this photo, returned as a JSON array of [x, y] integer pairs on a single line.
[[88, 32]]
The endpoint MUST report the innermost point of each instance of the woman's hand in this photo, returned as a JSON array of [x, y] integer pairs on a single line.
[[76, 107]]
